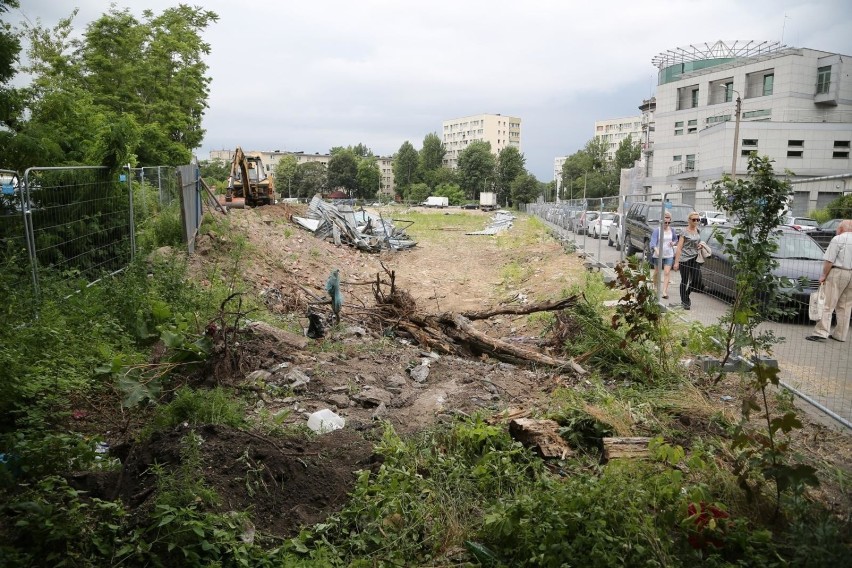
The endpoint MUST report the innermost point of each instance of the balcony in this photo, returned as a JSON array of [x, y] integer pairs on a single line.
[[684, 170]]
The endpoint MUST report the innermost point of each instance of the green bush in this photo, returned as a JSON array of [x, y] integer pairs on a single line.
[[215, 406]]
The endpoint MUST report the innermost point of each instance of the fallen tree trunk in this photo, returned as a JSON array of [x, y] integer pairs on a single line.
[[553, 306]]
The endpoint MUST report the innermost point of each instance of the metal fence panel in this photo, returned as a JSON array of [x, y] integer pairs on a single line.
[[819, 372], [79, 223]]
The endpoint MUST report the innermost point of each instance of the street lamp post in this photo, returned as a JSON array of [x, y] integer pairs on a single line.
[[736, 132]]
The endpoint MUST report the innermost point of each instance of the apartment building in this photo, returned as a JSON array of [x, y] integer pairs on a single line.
[[793, 105], [271, 158], [558, 162], [501, 131], [614, 130]]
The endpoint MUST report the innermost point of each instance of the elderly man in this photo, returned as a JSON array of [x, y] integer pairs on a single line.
[[837, 276]]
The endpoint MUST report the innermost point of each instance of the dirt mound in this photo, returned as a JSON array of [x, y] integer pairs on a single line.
[[284, 483]]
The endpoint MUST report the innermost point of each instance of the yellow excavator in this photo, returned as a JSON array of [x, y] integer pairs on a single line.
[[249, 180]]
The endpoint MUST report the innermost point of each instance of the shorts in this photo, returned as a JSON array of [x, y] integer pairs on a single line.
[[666, 262]]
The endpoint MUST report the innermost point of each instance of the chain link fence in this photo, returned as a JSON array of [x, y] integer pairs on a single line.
[[819, 373]]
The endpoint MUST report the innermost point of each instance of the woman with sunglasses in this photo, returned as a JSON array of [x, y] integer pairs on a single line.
[[666, 249], [686, 258]]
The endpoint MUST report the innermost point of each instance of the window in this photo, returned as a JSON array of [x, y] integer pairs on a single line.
[[692, 122], [692, 130], [679, 124], [768, 83], [749, 141], [796, 143], [729, 92], [823, 80], [721, 118], [794, 153], [694, 98], [757, 113], [841, 143], [676, 158], [837, 154], [690, 162], [679, 131], [746, 153]]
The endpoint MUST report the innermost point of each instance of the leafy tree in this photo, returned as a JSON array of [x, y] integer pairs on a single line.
[[343, 171], [476, 166], [405, 165], [362, 151], [432, 153], [452, 191], [587, 172], [122, 71], [285, 172], [510, 164], [417, 193], [626, 154], [434, 178], [525, 188], [309, 180], [10, 46], [369, 177]]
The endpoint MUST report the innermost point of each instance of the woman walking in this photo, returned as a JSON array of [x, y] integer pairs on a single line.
[[666, 249], [686, 258]]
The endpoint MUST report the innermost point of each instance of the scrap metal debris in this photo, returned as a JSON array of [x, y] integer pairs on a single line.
[[500, 221], [343, 225]]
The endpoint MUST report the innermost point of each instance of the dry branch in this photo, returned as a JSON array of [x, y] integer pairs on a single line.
[[553, 306]]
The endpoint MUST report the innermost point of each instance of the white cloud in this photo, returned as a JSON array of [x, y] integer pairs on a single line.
[[311, 75]]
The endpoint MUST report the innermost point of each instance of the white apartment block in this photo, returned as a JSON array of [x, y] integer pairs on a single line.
[[558, 162], [501, 131], [614, 130], [271, 159], [795, 108]]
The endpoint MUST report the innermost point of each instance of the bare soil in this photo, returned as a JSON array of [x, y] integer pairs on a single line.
[[358, 372]]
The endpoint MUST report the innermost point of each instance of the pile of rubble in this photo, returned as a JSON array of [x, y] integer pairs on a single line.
[[344, 225]]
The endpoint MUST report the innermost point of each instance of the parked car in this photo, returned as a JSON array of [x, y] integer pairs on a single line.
[[825, 232], [713, 217], [643, 217], [799, 261], [614, 234], [584, 221], [805, 224], [601, 226]]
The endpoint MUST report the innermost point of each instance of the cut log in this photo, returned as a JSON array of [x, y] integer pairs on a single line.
[[629, 448], [541, 435], [263, 329], [551, 306]]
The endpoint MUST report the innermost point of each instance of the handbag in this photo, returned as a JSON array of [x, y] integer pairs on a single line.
[[817, 304], [704, 252]]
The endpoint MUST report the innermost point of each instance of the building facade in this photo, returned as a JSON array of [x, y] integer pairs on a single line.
[[614, 130], [558, 162], [500, 131], [793, 105]]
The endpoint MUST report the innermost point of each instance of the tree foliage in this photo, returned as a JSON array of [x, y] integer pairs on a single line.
[[143, 79], [432, 153], [476, 168], [285, 172], [405, 166], [369, 178], [510, 164], [309, 180], [343, 171], [525, 188]]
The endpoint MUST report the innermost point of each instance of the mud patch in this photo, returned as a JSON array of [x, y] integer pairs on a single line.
[[282, 483]]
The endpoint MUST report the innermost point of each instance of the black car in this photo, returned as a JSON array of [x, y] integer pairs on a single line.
[[643, 217], [799, 260], [825, 232]]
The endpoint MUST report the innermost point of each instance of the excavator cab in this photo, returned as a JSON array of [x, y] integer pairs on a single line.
[[249, 180]]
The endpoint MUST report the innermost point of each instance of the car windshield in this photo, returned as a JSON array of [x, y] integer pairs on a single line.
[[608, 217], [680, 213], [805, 222], [793, 246], [830, 225], [714, 214]]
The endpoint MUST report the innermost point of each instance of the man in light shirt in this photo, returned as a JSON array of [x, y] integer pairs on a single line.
[[837, 276]]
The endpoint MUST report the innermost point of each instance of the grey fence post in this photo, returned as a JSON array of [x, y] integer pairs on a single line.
[[132, 220]]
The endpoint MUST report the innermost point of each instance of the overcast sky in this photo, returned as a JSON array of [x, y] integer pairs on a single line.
[[307, 76]]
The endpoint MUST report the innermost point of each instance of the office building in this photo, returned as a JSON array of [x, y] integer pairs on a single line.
[[501, 131]]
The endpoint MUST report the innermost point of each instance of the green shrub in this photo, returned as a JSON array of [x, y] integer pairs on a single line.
[[214, 406]]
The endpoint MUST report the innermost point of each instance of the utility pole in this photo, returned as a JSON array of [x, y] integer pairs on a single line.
[[736, 127]]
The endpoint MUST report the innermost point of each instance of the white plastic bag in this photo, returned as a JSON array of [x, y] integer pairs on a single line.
[[325, 420], [817, 304]]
